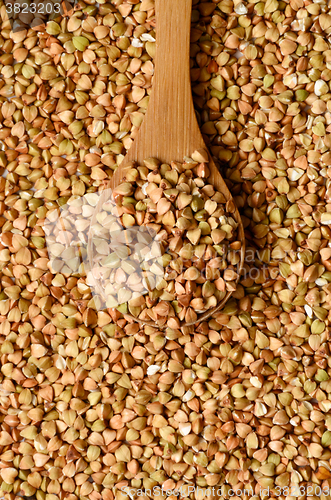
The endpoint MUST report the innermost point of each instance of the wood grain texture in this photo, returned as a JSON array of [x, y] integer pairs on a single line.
[[170, 129]]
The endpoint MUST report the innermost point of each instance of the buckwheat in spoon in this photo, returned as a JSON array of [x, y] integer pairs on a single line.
[[176, 240]]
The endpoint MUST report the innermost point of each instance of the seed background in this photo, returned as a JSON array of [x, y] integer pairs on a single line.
[[240, 400]]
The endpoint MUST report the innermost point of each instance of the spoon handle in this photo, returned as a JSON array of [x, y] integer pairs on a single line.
[[170, 129]]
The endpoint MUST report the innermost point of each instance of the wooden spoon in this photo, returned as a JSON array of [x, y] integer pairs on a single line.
[[170, 129]]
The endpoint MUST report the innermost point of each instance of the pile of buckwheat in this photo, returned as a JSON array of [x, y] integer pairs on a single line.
[[91, 403], [193, 259]]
